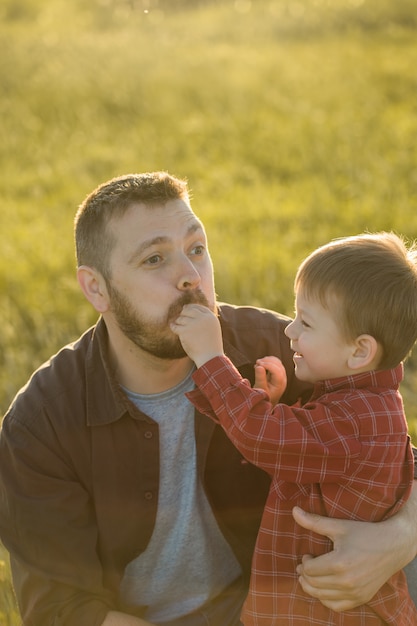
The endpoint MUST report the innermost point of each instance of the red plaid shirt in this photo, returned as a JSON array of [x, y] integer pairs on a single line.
[[344, 454]]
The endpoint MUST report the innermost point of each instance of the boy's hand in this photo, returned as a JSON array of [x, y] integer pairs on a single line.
[[200, 333], [270, 375]]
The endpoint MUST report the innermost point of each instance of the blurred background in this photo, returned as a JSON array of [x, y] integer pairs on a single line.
[[294, 121]]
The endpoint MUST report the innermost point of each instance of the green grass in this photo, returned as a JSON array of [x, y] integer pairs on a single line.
[[8, 610], [294, 122]]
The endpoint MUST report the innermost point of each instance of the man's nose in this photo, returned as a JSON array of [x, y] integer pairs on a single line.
[[189, 277]]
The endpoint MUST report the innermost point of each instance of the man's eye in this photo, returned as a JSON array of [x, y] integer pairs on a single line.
[[153, 260], [198, 250]]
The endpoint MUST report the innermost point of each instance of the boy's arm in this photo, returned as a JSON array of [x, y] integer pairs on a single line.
[[364, 556], [200, 334]]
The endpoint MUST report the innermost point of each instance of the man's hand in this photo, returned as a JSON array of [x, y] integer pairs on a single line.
[[200, 333], [364, 556], [270, 376]]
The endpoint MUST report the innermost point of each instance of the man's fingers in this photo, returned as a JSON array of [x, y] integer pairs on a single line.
[[323, 587], [321, 569], [335, 599], [318, 524]]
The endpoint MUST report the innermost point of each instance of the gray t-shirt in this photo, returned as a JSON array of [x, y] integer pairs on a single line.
[[187, 560], [411, 573]]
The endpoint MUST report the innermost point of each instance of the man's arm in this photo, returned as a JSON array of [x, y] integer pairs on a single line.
[[114, 618], [364, 555]]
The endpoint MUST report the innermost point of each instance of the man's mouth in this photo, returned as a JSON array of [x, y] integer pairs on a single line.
[[189, 297]]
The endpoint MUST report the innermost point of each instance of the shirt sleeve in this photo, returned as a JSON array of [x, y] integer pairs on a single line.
[[306, 445], [47, 523], [414, 450]]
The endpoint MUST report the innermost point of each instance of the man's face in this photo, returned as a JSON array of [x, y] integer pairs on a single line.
[[160, 262]]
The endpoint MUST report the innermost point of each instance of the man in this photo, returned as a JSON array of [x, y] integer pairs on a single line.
[[119, 506]]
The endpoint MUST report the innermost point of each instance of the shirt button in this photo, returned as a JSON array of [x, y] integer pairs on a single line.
[[148, 434], [148, 495]]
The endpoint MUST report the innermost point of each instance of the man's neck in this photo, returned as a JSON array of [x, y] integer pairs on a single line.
[[145, 373]]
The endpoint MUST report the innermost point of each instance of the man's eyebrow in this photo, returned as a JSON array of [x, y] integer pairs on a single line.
[[194, 227], [161, 239], [148, 243]]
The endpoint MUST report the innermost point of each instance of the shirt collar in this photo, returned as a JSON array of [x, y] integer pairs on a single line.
[[375, 378], [105, 401]]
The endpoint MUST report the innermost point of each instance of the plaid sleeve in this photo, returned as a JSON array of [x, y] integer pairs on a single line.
[[415, 462], [305, 444]]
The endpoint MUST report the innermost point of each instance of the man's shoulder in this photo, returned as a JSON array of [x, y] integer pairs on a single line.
[[70, 359], [251, 332], [56, 377], [240, 316]]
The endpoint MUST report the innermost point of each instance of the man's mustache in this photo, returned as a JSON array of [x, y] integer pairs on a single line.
[[189, 297]]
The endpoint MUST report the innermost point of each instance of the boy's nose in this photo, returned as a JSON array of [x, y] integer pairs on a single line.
[[289, 330]]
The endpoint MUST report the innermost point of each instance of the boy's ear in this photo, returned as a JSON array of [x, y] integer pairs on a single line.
[[366, 353], [93, 287]]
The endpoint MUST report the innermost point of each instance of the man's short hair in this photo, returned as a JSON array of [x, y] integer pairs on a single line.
[[110, 200]]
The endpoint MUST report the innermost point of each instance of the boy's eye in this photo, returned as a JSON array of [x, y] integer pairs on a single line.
[[304, 323]]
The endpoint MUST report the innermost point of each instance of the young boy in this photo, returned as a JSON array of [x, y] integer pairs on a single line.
[[345, 453]]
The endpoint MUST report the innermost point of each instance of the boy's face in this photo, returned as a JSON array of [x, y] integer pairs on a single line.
[[320, 349]]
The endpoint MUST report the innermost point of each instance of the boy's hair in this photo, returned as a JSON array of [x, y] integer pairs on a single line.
[[93, 238], [372, 279]]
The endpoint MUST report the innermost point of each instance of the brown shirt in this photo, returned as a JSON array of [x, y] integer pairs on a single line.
[[79, 474]]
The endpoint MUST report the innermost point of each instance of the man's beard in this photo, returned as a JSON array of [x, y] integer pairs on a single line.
[[156, 338]]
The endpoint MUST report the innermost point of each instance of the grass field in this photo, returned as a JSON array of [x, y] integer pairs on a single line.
[[294, 122]]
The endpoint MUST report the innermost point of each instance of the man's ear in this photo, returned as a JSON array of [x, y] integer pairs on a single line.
[[93, 287], [366, 353]]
